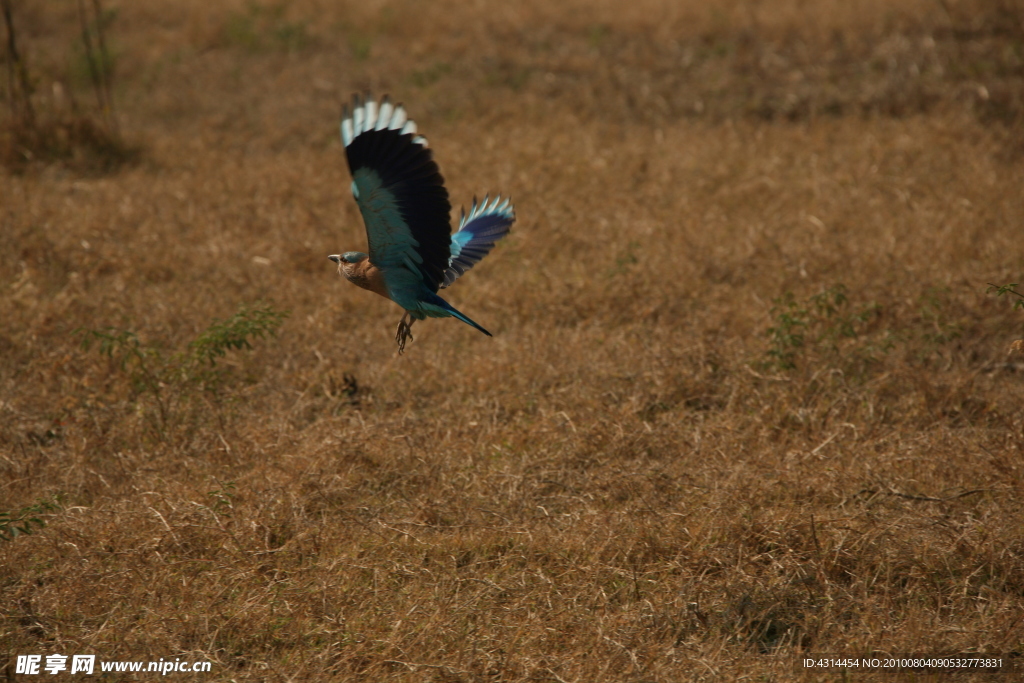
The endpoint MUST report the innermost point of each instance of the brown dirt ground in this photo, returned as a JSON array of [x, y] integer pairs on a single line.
[[747, 399]]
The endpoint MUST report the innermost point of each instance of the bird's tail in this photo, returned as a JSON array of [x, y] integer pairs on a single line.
[[446, 309]]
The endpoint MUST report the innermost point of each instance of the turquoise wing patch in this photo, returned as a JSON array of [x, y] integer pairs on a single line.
[[400, 193]]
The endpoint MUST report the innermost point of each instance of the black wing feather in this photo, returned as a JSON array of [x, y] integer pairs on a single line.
[[408, 171]]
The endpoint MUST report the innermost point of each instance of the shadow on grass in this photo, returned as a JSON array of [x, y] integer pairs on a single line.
[[76, 142]]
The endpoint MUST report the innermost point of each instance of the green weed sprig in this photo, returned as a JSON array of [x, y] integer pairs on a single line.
[[21, 522], [1010, 288], [167, 379]]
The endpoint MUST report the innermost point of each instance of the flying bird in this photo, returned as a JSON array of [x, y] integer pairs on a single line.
[[401, 195]]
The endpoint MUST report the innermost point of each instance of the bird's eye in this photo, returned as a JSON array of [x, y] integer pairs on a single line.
[[352, 257]]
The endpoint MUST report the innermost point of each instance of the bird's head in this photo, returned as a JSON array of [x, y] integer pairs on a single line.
[[347, 263], [349, 257]]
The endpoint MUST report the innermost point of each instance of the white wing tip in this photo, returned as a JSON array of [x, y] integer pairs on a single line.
[[367, 115], [494, 206]]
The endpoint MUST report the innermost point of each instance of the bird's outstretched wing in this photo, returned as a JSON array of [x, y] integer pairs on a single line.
[[400, 193], [478, 232]]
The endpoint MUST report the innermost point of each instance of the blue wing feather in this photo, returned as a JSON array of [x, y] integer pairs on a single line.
[[478, 232], [401, 196]]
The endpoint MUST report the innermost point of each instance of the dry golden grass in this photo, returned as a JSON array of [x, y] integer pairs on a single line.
[[644, 475]]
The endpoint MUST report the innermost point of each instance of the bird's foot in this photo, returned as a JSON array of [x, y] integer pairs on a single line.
[[403, 333]]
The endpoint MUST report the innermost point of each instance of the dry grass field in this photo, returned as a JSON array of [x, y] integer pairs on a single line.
[[748, 396]]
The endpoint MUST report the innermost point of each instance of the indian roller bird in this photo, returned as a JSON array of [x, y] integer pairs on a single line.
[[401, 195]]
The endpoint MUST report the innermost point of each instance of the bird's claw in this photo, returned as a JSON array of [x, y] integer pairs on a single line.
[[403, 334]]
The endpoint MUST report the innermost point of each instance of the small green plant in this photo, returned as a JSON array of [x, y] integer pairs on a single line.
[[141, 362], [422, 78], [597, 34], [223, 498], [169, 379], [507, 75], [832, 304], [787, 335], [264, 27], [1018, 345], [251, 322], [1011, 288], [935, 306], [625, 259], [821, 321], [360, 44], [21, 522]]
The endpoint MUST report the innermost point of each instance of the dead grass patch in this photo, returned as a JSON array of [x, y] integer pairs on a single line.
[[748, 396]]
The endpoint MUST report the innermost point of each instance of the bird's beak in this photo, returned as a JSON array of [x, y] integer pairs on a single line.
[[335, 258]]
